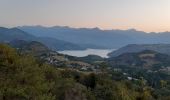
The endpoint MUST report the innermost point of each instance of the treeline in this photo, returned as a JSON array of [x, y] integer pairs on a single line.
[[22, 77]]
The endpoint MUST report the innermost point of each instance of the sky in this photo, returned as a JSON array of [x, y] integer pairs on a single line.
[[144, 15]]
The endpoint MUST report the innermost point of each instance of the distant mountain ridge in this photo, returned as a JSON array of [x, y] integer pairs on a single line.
[[135, 48], [103, 38], [11, 34]]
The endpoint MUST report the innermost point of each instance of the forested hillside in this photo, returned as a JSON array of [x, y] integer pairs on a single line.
[[22, 77]]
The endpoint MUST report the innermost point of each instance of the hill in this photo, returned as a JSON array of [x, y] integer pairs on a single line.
[[89, 59], [34, 47], [134, 48], [146, 59]]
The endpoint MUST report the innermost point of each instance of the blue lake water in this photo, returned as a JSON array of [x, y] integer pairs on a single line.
[[82, 53]]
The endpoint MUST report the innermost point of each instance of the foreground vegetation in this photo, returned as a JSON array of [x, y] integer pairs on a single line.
[[22, 77]]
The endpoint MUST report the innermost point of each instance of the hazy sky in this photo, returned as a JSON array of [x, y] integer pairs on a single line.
[[146, 15]]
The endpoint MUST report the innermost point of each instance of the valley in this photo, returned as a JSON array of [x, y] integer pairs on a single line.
[[84, 50], [145, 67]]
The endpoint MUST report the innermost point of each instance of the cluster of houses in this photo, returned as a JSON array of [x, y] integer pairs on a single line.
[[59, 60], [165, 69]]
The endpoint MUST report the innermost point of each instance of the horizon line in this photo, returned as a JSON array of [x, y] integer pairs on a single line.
[[99, 28]]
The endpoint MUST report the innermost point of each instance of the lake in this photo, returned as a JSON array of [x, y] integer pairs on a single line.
[[82, 53]]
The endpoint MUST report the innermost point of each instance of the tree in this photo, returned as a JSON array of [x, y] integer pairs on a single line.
[[21, 77]]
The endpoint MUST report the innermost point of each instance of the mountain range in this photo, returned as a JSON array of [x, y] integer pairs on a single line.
[[95, 37], [66, 38]]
